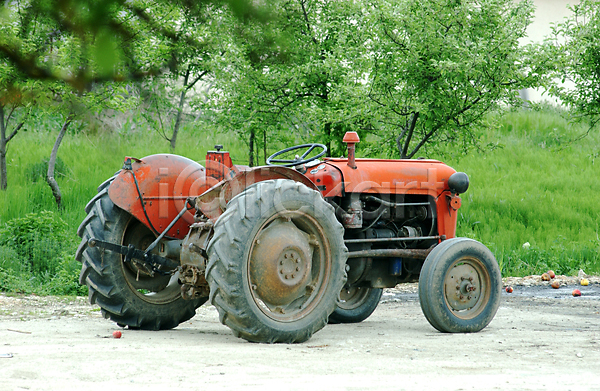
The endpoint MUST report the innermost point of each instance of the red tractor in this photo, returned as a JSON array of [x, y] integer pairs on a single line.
[[283, 249]]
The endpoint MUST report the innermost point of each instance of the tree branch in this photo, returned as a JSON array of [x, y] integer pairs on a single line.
[[411, 128], [308, 32], [196, 80], [15, 131]]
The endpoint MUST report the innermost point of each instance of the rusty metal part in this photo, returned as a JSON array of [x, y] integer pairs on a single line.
[[193, 247], [212, 203], [193, 260], [354, 296], [351, 139], [281, 262], [466, 284], [289, 265], [454, 202], [354, 217], [390, 253], [193, 282], [154, 262], [219, 165], [399, 239]]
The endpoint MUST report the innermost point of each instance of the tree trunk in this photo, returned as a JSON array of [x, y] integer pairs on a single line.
[[4, 140], [180, 109], [52, 163], [3, 170], [251, 147], [328, 138], [265, 146], [408, 132]]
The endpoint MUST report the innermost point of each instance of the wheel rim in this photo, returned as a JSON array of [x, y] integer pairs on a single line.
[[289, 266], [353, 297], [157, 289], [467, 288]]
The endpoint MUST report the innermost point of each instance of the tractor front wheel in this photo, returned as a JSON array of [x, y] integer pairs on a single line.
[[276, 262], [459, 286]]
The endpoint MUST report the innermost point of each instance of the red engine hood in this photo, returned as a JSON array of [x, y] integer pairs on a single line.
[[334, 176]]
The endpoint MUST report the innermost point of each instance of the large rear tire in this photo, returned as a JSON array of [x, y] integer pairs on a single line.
[[126, 292], [459, 286], [276, 263]]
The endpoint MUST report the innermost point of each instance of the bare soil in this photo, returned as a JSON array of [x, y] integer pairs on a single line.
[[540, 339]]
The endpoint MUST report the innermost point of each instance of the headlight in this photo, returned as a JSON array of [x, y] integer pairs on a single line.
[[458, 182]]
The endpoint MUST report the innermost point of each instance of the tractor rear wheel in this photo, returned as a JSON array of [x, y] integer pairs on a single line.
[[276, 262], [459, 286], [127, 293], [356, 304]]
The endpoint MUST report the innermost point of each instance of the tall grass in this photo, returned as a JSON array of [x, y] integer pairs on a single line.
[[536, 186], [540, 188], [90, 159]]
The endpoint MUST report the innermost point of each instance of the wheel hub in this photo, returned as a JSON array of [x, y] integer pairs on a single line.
[[281, 263], [463, 287]]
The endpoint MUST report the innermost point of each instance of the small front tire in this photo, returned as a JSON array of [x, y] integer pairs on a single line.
[[459, 286]]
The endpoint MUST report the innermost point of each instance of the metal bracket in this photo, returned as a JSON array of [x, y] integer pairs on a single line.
[[155, 262]]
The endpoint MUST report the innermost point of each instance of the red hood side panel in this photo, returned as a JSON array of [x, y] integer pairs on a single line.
[[381, 176]]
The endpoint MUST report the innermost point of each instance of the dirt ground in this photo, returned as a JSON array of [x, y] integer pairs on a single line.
[[540, 339]]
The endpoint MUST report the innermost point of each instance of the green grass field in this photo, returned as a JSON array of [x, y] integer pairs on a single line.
[[536, 187]]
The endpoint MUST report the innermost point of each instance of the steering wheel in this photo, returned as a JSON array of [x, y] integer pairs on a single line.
[[271, 161]]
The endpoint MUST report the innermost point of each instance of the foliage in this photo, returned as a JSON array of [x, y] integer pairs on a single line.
[[106, 37], [576, 44], [39, 171], [35, 255], [416, 73], [439, 67], [297, 82], [165, 95], [37, 239], [536, 187], [33, 33]]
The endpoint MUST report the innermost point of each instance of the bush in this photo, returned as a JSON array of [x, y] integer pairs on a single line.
[[38, 239], [36, 256], [39, 171]]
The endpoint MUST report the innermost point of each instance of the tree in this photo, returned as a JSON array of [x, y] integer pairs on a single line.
[[295, 76], [9, 109], [439, 67], [576, 44], [167, 93], [36, 33], [107, 35]]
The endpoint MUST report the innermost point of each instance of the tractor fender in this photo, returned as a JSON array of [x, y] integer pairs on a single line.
[[165, 181], [214, 202]]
